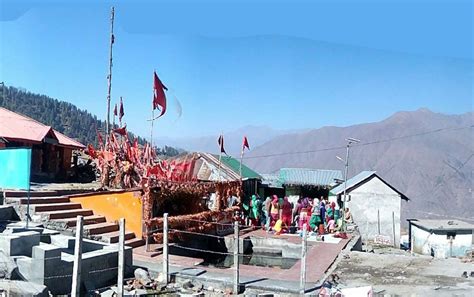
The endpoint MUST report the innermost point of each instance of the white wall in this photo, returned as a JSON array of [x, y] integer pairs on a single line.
[[366, 200], [423, 242]]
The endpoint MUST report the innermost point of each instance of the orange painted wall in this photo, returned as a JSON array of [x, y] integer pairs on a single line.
[[114, 206]]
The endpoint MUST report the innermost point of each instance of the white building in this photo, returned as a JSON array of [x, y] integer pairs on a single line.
[[440, 238], [375, 206]]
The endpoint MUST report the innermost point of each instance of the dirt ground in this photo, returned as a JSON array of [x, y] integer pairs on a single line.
[[406, 275]]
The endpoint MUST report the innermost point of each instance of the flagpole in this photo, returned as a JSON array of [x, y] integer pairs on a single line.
[[109, 77], [152, 110], [220, 156], [241, 158]]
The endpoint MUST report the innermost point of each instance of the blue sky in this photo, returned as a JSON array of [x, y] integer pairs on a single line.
[[283, 64]]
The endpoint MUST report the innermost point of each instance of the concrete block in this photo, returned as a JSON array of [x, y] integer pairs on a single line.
[[8, 213], [46, 251], [20, 243]]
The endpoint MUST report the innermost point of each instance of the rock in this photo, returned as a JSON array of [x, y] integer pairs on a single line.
[[187, 285], [137, 292], [210, 289], [21, 288], [160, 278], [7, 266], [142, 276], [198, 287]]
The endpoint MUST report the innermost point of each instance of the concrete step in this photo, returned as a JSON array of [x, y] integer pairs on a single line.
[[113, 237], [100, 228], [93, 219], [44, 200], [8, 194], [135, 242], [63, 214], [266, 250], [55, 206]]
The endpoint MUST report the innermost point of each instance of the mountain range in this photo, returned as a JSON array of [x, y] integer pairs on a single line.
[[427, 156]]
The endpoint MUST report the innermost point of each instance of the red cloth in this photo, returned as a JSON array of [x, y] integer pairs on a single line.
[[122, 131], [220, 141], [159, 97], [245, 144], [121, 112]]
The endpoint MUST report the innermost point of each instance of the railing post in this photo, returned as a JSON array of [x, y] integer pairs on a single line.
[[121, 257], [147, 240], [303, 262], [236, 257], [165, 247], [76, 270]]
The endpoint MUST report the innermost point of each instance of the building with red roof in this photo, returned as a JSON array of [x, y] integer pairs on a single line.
[[51, 150]]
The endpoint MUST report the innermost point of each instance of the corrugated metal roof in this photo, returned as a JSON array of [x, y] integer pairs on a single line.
[[307, 176], [272, 180], [440, 225], [19, 127], [352, 181], [234, 165]]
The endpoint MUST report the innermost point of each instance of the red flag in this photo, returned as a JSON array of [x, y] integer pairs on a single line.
[[135, 143], [99, 138], [121, 113], [115, 110], [245, 144], [220, 141], [159, 97], [122, 131], [91, 151]]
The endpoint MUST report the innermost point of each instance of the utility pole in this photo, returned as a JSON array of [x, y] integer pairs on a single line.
[[109, 77], [349, 142]]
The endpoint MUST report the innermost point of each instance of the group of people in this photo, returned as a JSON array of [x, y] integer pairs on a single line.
[[280, 215]]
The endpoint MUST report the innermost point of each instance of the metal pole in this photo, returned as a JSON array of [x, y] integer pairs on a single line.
[[393, 228], [121, 257], [303, 262], [236, 257], [28, 208], [109, 77], [76, 272], [241, 159], [378, 221], [165, 247], [220, 156], [345, 188], [147, 240]]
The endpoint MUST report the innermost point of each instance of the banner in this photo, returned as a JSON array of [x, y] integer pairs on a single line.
[[15, 168]]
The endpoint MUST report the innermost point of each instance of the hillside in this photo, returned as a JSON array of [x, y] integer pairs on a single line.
[[434, 170], [62, 116]]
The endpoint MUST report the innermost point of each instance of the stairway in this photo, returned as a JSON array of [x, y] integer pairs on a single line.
[[58, 212]]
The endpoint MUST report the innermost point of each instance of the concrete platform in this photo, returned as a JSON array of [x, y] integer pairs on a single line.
[[320, 257]]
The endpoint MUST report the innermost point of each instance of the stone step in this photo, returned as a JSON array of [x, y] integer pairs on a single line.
[[63, 214], [8, 194], [113, 237], [44, 200], [266, 250], [93, 219], [55, 206], [135, 242], [100, 228]]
